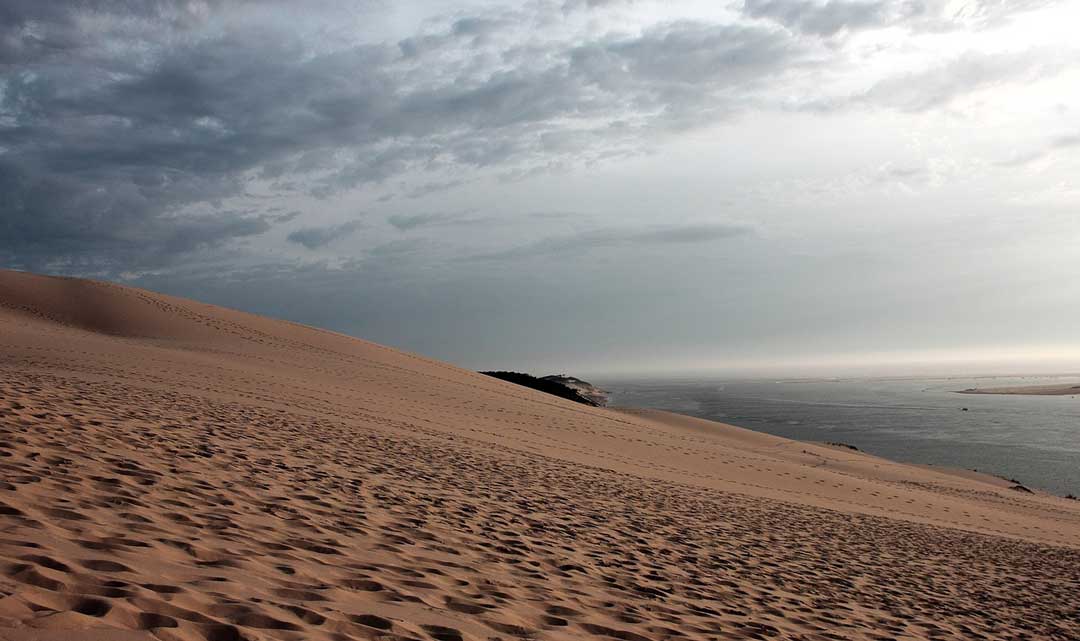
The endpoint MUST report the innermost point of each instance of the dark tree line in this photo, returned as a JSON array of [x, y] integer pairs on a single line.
[[542, 385]]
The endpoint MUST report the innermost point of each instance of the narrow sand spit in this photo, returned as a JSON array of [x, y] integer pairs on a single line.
[[174, 470], [1067, 389]]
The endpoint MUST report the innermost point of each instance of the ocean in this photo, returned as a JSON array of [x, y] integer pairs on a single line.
[[1033, 439]]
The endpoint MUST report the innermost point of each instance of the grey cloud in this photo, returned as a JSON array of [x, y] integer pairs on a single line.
[[434, 187], [726, 55], [409, 222], [902, 173], [622, 237], [939, 86], [316, 237], [575, 5], [282, 218], [1057, 144], [687, 234], [829, 18], [832, 17], [31, 30], [1066, 142], [105, 151], [1019, 160], [553, 215], [51, 220], [979, 14]]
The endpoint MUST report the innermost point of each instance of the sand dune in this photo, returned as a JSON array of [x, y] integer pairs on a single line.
[[177, 471]]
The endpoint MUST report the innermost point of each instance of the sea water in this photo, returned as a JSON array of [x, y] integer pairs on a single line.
[[1032, 439]]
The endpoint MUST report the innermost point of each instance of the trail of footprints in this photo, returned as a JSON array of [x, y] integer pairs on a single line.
[[151, 510]]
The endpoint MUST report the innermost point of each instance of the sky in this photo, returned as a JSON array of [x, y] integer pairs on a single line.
[[610, 187]]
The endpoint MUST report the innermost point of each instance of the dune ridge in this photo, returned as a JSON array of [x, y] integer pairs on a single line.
[[178, 471]]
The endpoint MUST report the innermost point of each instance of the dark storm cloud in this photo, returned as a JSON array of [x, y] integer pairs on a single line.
[[126, 140], [34, 29], [83, 219], [316, 237], [625, 237]]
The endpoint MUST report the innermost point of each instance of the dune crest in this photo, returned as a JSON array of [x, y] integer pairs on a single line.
[[178, 471]]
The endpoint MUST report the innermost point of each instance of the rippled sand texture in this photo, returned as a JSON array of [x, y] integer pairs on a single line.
[[173, 470]]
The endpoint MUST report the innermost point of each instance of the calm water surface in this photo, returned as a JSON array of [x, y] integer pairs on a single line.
[[1034, 439]]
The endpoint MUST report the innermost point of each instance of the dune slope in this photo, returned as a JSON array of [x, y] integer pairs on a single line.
[[178, 471]]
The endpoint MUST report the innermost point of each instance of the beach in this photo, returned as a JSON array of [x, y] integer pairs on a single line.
[[1027, 390], [178, 471]]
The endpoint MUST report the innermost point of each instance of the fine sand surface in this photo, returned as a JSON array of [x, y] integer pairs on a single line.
[[174, 470], [1070, 389]]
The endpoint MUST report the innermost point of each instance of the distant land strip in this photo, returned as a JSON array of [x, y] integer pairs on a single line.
[[1069, 389]]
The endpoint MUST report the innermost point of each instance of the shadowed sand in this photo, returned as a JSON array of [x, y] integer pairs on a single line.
[[177, 471]]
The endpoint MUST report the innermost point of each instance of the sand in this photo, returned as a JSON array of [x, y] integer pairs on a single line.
[[1070, 389], [173, 470]]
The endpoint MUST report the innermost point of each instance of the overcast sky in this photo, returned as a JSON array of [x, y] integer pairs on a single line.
[[591, 186]]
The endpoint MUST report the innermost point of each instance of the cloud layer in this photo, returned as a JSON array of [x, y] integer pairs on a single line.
[[316, 237], [124, 124], [237, 140]]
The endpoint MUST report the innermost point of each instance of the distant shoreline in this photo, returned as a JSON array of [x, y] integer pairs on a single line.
[[1027, 390]]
